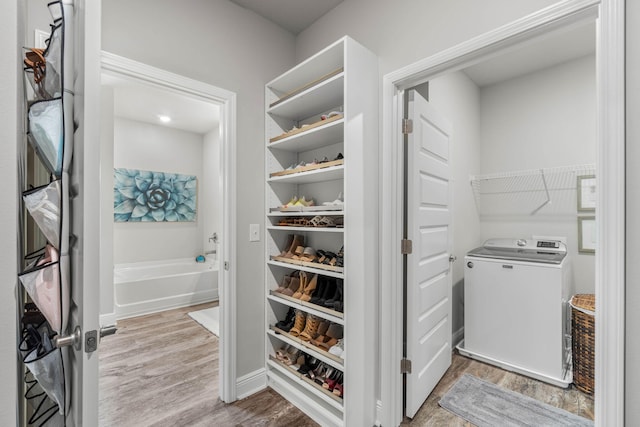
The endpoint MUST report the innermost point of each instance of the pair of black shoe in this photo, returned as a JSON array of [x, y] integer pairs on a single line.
[[288, 321], [329, 293]]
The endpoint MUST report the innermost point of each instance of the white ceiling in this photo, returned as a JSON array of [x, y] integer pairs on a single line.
[[544, 52], [292, 15], [144, 103]]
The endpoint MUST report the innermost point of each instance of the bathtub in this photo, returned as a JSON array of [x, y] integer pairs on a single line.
[[147, 287]]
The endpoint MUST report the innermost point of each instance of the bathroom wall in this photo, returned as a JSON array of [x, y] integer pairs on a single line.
[[223, 44], [211, 201], [541, 120], [151, 147]]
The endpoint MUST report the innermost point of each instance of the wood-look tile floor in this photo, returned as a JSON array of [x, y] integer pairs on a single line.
[[161, 370]]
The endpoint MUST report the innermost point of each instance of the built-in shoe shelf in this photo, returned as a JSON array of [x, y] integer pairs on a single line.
[[315, 309], [340, 83]]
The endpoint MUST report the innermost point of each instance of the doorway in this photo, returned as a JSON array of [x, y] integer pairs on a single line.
[[213, 232], [610, 182]]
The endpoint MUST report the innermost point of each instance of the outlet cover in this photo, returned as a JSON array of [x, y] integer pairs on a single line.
[[254, 232]]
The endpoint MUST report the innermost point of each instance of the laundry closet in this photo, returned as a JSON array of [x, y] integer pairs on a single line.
[[522, 155]]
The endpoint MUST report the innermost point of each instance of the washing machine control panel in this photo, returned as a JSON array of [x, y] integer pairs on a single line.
[[548, 244]]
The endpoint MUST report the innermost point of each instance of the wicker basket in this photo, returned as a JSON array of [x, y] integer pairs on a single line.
[[583, 308]]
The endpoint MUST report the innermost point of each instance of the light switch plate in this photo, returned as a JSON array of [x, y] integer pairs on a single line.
[[254, 232]]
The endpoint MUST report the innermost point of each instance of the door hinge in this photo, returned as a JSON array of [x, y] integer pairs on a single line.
[[406, 247], [407, 126], [405, 366]]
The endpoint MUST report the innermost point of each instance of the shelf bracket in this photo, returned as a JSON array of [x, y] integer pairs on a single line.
[[546, 189]]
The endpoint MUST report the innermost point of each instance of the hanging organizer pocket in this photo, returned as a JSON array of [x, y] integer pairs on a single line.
[[41, 410], [44, 361], [43, 286], [46, 133], [43, 203], [43, 68]]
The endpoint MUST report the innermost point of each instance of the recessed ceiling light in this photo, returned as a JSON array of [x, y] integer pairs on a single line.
[[164, 119]]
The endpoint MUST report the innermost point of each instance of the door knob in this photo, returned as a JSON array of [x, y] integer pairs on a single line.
[[105, 331], [452, 258]]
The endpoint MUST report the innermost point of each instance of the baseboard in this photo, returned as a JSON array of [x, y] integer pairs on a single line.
[[457, 337], [141, 308], [108, 319], [251, 383], [378, 412]]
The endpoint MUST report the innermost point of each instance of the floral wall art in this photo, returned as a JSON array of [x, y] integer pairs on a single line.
[[146, 196]]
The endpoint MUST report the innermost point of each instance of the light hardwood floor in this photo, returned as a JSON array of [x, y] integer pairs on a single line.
[[161, 370]]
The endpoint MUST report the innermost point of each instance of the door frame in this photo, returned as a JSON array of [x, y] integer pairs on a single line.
[[609, 18], [226, 101]]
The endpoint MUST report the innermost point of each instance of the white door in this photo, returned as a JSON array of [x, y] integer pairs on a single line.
[[428, 282], [81, 365]]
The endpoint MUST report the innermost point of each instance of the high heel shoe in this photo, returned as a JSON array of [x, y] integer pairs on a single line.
[[294, 284], [303, 284], [329, 290], [298, 240], [329, 303], [286, 281], [288, 244], [334, 334], [311, 328], [299, 323], [311, 286]]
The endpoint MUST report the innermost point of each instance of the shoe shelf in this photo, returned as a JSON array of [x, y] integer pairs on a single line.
[[318, 175], [315, 309], [313, 265], [342, 79], [310, 229], [309, 268], [325, 212], [322, 97], [314, 135], [318, 353], [326, 396]]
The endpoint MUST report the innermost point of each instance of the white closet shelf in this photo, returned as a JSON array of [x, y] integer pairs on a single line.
[[325, 61], [324, 395], [308, 269], [308, 348], [313, 229], [306, 213], [313, 101], [325, 313], [320, 136], [549, 191], [318, 175]]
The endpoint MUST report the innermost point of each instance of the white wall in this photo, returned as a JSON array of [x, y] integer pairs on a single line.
[[157, 148], [457, 98], [401, 33], [632, 351], [222, 44], [542, 120], [10, 131], [211, 201]]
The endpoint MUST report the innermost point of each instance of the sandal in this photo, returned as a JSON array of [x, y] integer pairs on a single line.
[[338, 390], [322, 221]]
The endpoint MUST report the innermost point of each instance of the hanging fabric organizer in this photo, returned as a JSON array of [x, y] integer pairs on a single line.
[[45, 276]]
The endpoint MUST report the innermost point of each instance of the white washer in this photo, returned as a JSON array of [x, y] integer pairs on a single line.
[[515, 312]]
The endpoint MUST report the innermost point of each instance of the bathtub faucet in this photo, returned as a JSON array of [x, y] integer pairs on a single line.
[[211, 252], [214, 238]]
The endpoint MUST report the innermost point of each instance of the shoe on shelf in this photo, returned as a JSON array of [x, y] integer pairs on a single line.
[[334, 334], [309, 288], [299, 324], [287, 245], [288, 321], [311, 328], [339, 201], [339, 157], [303, 284], [286, 281], [331, 114], [308, 254], [338, 390], [298, 240], [304, 202], [291, 202], [338, 349], [294, 284]]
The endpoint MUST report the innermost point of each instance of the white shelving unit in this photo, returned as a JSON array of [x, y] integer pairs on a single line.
[[343, 79]]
